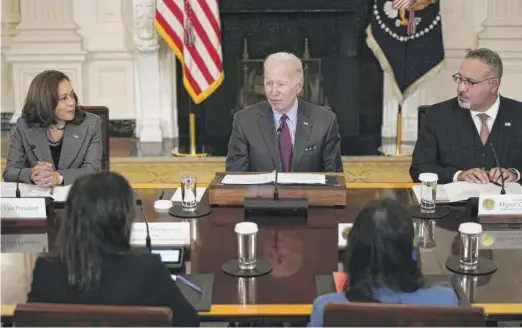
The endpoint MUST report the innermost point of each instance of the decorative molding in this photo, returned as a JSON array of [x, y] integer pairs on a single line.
[[144, 35]]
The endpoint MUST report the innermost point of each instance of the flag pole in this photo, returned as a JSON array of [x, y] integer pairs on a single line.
[[192, 137]]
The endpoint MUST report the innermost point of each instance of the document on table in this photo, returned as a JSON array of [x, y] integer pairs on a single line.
[[442, 197], [462, 190], [59, 193], [268, 178]]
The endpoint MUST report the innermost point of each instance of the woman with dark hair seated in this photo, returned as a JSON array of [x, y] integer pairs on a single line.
[[94, 264], [380, 265], [55, 141]]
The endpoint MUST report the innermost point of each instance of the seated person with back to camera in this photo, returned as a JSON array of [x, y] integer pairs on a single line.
[[308, 135], [55, 141], [459, 136], [379, 262], [94, 263]]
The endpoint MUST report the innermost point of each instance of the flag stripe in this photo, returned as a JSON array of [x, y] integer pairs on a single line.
[[202, 62]]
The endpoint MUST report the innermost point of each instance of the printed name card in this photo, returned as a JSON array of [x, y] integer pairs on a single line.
[[500, 208], [24, 243], [161, 233], [23, 208], [343, 231]]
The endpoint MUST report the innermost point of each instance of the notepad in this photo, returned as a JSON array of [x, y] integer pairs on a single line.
[[269, 178]]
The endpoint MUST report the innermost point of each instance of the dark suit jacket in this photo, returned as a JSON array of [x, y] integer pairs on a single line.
[[81, 150], [446, 141], [140, 280], [253, 145]]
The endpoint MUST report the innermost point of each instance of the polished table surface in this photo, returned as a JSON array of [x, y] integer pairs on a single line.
[[301, 250]]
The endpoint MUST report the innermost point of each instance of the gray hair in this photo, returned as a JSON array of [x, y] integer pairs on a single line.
[[489, 57], [286, 56]]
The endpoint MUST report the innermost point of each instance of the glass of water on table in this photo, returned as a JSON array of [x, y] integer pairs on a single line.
[[188, 191]]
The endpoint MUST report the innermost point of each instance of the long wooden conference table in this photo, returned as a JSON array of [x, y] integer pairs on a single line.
[[299, 252]]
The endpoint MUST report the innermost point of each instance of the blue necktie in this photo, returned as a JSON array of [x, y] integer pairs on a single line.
[[285, 144]]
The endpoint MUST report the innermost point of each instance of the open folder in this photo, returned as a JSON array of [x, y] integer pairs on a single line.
[[268, 178]]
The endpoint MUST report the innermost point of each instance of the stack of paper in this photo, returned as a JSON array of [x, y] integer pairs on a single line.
[[267, 178], [58, 193], [462, 190]]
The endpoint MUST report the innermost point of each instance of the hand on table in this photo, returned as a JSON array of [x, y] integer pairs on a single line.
[[475, 175], [494, 175]]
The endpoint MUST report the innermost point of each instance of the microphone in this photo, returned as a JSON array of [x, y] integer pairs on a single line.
[[276, 191], [18, 194], [497, 162], [148, 242]]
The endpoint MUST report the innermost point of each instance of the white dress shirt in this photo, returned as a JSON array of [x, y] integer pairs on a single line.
[[492, 112]]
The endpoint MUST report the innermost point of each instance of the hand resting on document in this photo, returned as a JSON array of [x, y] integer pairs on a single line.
[[478, 175]]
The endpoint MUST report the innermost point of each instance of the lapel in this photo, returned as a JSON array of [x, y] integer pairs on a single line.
[[302, 133], [73, 138], [36, 136], [467, 130], [504, 133], [268, 131]]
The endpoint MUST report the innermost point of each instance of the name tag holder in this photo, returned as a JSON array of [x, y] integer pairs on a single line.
[[500, 208]]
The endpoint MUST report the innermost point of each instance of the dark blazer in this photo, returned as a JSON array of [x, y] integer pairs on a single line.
[[253, 143], [449, 141], [140, 280], [81, 150]]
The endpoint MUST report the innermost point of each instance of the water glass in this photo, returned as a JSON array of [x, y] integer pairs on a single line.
[[188, 191], [469, 246], [246, 290], [246, 244], [428, 192], [425, 236]]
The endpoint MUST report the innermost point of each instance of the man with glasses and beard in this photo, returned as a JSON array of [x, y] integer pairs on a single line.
[[458, 136]]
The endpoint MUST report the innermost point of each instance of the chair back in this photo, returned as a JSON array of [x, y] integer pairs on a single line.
[[81, 315], [421, 113], [351, 314], [103, 112]]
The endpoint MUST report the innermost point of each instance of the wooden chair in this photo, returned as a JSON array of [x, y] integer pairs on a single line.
[[401, 315], [80, 315], [103, 112]]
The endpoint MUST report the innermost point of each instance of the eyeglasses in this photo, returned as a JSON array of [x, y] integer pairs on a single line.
[[457, 78]]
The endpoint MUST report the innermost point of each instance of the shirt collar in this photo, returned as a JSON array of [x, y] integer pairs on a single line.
[[491, 112], [292, 114]]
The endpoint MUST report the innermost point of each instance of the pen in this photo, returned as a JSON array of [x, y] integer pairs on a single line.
[[52, 191], [162, 194], [185, 282]]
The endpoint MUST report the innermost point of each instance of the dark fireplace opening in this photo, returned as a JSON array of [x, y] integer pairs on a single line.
[[340, 70]]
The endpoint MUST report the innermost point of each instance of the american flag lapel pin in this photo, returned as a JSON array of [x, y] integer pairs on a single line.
[[507, 123], [305, 123]]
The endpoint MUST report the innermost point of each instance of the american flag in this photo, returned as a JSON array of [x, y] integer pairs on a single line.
[[192, 29]]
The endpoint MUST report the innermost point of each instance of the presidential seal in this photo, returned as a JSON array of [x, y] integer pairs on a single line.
[[346, 232], [488, 204], [486, 240]]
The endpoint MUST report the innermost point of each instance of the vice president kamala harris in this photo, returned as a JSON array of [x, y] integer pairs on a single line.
[[55, 141]]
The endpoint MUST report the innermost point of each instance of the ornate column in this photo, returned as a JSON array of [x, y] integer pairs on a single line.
[[503, 33], [10, 18], [155, 94], [46, 39]]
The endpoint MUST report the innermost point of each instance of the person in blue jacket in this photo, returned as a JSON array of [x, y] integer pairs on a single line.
[[380, 265]]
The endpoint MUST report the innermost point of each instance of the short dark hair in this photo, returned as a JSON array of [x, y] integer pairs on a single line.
[[42, 99], [99, 214], [489, 57], [379, 251]]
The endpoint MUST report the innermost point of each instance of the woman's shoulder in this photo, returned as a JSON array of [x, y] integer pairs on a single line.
[[438, 294], [331, 297]]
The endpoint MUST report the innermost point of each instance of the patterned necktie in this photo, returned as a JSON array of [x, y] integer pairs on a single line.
[[285, 144], [484, 130]]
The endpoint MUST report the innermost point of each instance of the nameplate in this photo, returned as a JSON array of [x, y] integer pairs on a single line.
[[500, 208], [342, 234], [161, 233], [501, 239], [23, 208], [24, 243]]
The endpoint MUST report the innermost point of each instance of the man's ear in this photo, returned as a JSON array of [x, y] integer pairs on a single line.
[[299, 86]]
